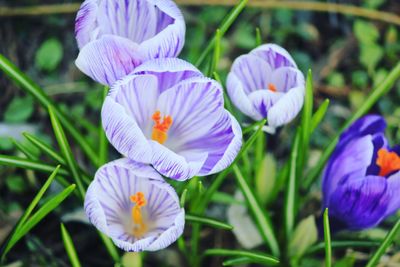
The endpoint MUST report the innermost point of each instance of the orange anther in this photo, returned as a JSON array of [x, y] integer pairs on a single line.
[[387, 161], [160, 129], [272, 87]]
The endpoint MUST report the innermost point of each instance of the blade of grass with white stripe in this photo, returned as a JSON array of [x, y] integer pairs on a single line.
[[327, 239], [69, 247], [256, 256], [217, 53], [384, 245], [319, 115], [225, 25], [208, 221], [343, 245], [28, 212], [376, 94], [262, 220], [66, 150], [244, 261]]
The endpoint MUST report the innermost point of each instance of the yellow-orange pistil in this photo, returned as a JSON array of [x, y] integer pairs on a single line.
[[139, 228], [387, 161], [272, 87], [160, 128]]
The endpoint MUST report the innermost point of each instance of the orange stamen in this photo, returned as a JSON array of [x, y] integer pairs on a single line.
[[387, 161], [272, 87], [140, 227], [160, 128]]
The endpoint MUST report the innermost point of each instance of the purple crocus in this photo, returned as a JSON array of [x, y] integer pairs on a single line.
[[169, 115], [361, 182], [134, 206], [115, 36], [266, 83]]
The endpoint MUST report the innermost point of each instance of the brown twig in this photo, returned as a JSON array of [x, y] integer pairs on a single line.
[[267, 4]]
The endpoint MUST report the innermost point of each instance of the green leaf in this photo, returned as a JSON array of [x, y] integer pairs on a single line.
[[132, 259], [327, 239], [6, 144], [30, 87], [266, 178], [24, 150], [319, 115], [384, 245], [258, 37], [66, 150], [217, 53], [344, 245], [16, 184], [376, 94], [256, 256], [365, 32], [19, 110], [370, 56], [8, 245], [69, 247], [262, 220], [224, 198], [208, 221], [304, 236], [49, 55], [225, 25]]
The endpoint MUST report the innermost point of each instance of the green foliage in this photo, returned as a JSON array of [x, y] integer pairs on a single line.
[[304, 236], [19, 110], [49, 55]]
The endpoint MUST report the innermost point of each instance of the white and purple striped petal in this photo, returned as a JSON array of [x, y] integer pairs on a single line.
[[202, 137], [151, 28], [266, 83], [109, 207]]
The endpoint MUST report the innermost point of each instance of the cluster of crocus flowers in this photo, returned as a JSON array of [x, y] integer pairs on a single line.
[[362, 178], [161, 113], [266, 83]]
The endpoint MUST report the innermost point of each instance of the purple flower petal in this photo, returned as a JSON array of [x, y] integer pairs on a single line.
[[156, 25], [108, 206], [360, 203], [169, 71], [253, 72], [355, 159], [275, 55], [394, 189], [108, 59], [287, 78], [286, 108], [264, 100]]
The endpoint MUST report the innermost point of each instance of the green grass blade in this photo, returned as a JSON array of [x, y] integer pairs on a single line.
[[208, 221], [29, 164], [244, 261], [327, 239], [225, 25], [29, 210], [45, 148], [66, 150], [69, 247], [376, 94], [384, 245], [217, 53], [291, 194], [258, 37], [261, 218], [32, 88], [227, 101], [343, 244], [112, 250], [256, 256], [307, 111], [49, 206], [24, 150], [319, 115]]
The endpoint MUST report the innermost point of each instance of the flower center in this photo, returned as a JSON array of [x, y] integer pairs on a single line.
[[160, 128], [139, 228], [272, 87], [387, 161]]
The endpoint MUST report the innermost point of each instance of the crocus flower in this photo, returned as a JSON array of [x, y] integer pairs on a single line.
[[361, 182], [169, 115], [134, 206], [266, 83], [115, 36]]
